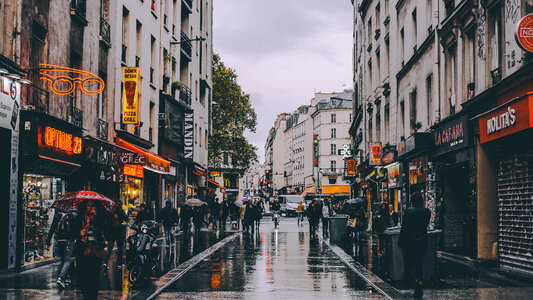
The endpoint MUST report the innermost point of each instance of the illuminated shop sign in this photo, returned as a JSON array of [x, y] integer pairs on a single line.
[[134, 170], [349, 167], [375, 154], [63, 80], [214, 174], [9, 103], [524, 33], [130, 103], [451, 136], [61, 140], [188, 137]]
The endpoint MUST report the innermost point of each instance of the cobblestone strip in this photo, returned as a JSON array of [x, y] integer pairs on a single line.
[[387, 290], [169, 278]]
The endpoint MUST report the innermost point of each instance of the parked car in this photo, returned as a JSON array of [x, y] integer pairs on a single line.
[[289, 204]]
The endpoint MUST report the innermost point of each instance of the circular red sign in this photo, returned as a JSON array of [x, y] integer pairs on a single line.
[[524, 33]]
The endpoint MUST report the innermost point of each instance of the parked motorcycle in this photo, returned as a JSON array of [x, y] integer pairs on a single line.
[[142, 252]]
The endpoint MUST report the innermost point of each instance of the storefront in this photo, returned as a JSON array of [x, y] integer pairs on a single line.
[[51, 151], [144, 170], [452, 190], [9, 168], [506, 131], [169, 181], [394, 192], [413, 154]]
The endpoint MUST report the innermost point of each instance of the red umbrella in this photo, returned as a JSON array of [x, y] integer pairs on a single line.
[[70, 202]]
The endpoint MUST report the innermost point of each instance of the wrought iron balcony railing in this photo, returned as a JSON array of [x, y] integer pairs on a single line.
[[75, 116], [79, 7], [38, 99], [186, 45], [496, 75], [185, 94], [102, 129], [105, 31]]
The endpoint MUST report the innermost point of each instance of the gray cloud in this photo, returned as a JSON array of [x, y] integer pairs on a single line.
[[284, 51]]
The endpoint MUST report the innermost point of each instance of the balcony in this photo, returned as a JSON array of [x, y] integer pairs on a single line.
[[124, 53], [105, 32], [496, 75], [185, 94], [38, 99], [75, 116], [102, 129], [186, 46], [377, 33], [331, 172], [78, 10]]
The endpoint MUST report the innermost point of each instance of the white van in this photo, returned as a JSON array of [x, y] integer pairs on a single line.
[[289, 203]]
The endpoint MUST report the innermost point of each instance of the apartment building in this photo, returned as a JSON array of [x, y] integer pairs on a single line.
[[275, 155], [431, 79]]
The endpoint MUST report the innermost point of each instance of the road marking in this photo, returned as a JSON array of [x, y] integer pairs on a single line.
[[180, 270], [387, 290]]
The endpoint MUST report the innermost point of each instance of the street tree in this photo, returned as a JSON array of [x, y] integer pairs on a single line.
[[233, 114]]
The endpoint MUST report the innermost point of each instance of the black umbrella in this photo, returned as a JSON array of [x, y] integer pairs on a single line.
[[352, 204], [355, 201]]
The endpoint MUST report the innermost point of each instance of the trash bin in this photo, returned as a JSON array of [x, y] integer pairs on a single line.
[[394, 254], [337, 227]]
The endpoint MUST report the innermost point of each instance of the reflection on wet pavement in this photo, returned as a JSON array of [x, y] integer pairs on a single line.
[[272, 263]]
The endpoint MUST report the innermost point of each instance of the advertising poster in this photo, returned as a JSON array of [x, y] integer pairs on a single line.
[[130, 103]]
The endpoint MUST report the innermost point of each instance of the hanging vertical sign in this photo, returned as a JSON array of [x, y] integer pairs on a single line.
[[349, 167], [375, 154], [188, 137], [130, 102]]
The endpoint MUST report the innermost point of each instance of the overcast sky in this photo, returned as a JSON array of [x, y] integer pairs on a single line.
[[283, 51]]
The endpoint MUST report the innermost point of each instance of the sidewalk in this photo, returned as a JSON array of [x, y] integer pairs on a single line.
[[454, 279]]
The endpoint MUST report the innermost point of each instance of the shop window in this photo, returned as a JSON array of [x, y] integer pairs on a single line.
[[132, 193], [332, 180], [39, 192]]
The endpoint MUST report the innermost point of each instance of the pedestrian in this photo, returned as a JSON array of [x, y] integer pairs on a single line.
[[169, 219], [381, 222], [301, 209], [198, 218], [393, 216], [242, 211], [259, 213], [313, 216], [234, 215], [186, 214], [144, 214], [89, 233], [250, 215], [325, 218], [414, 241], [62, 229], [223, 214], [215, 212], [116, 233]]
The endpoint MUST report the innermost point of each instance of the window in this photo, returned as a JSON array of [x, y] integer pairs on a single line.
[[378, 127], [414, 28], [333, 149], [378, 13], [333, 166], [495, 43], [205, 136], [154, 59], [333, 133], [429, 95], [333, 118], [196, 133], [387, 121], [378, 68], [369, 32], [138, 35], [402, 118], [200, 137], [402, 46], [413, 117], [429, 13], [387, 59], [225, 158], [370, 138], [332, 180]]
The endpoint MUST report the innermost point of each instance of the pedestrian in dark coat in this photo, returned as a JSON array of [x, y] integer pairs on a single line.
[[116, 232], [144, 214], [382, 221], [62, 231], [90, 242], [313, 212], [414, 241], [215, 212], [198, 218], [259, 213], [250, 215], [223, 214], [393, 216], [186, 214], [169, 218]]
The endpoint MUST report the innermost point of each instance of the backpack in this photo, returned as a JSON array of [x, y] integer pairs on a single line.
[[64, 225]]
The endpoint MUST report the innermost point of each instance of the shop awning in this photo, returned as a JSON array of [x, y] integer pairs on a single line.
[[153, 162], [335, 189], [214, 183], [309, 190]]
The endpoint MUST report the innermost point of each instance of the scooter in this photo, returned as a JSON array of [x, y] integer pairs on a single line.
[[142, 252]]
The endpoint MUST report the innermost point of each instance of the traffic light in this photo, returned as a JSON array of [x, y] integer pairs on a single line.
[[315, 150]]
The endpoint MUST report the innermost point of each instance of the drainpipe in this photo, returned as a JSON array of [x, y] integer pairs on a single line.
[[437, 62]]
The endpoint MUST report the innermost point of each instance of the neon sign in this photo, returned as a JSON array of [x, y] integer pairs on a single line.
[[61, 140], [375, 152], [63, 80], [134, 170], [130, 103]]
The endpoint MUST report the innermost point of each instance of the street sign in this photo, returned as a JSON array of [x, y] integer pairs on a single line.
[[318, 191]]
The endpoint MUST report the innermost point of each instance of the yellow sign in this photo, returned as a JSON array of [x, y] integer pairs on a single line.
[[130, 103]]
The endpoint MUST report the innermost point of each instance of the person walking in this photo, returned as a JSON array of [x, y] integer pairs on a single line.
[[215, 213], [249, 218], [393, 216], [223, 214], [313, 216], [186, 214], [90, 243], [198, 219], [381, 222], [62, 229], [144, 214], [242, 211], [169, 219], [325, 218], [116, 233], [414, 241], [301, 209], [259, 213]]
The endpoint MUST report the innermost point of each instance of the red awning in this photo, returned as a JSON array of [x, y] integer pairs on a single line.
[[214, 183], [154, 162]]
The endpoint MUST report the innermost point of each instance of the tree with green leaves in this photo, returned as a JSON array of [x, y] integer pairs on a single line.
[[233, 114]]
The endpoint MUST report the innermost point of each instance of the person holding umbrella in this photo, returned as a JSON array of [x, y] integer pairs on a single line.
[[169, 219], [313, 216]]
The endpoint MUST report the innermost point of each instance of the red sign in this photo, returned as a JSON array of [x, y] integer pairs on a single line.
[[223, 190], [515, 116], [61, 140], [349, 166], [387, 158], [134, 170], [524, 33], [375, 154]]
